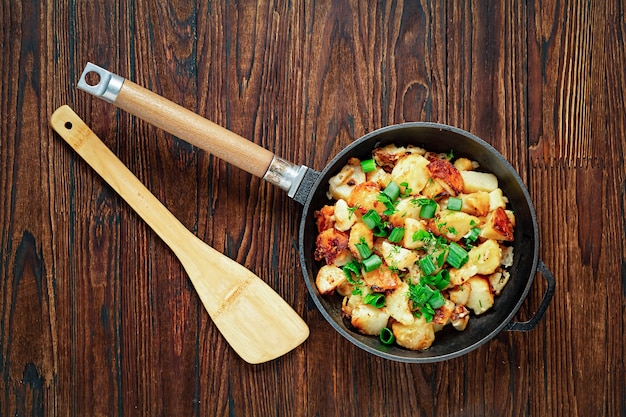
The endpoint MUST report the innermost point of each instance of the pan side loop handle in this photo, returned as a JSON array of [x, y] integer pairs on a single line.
[[525, 326], [191, 127]]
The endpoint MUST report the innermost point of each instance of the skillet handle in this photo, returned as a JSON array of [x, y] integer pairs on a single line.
[[191, 127], [524, 326]]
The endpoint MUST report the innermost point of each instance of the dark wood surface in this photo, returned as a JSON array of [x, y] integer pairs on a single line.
[[97, 317]]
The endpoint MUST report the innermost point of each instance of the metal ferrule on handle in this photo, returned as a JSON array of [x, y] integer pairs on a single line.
[[192, 128]]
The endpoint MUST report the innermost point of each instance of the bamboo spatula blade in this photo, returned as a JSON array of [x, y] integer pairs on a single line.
[[255, 320]]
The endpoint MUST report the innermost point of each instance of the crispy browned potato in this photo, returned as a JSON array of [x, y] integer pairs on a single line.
[[332, 245]]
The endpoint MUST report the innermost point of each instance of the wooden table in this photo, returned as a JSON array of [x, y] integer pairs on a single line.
[[97, 317]]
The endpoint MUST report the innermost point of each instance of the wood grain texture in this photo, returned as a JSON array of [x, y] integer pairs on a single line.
[[97, 317]]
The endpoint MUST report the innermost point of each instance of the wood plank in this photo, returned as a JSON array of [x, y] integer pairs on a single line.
[[97, 317]]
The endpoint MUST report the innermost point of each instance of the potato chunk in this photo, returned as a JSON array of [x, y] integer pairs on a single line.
[[498, 226], [464, 164], [324, 218], [411, 227], [405, 208], [443, 172], [462, 274], [389, 155], [498, 280], [486, 257], [497, 199], [411, 169], [379, 176], [365, 197], [368, 319], [453, 225], [342, 184], [332, 246], [474, 181], [443, 315], [360, 233], [329, 278], [397, 305], [460, 293], [477, 204], [418, 335], [381, 279], [460, 317], [343, 216], [481, 297], [397, 256]]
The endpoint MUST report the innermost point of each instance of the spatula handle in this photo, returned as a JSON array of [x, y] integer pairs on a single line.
[[78, 135]]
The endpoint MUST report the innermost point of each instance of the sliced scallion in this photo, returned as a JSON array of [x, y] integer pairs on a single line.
[[455, 204], [371, 219], [392, 191], [363, 249], [352, 268], [368, 165], [427, 265], [376, 299], [472, 235], [428, 208], [386, 336], [422, 235], [457, 256], [396, 234], [437, 300], [372, 262]]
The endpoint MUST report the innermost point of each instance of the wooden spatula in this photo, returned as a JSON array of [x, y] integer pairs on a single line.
[[254, 319]]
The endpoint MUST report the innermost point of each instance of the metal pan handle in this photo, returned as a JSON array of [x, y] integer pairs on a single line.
[[524, 326]]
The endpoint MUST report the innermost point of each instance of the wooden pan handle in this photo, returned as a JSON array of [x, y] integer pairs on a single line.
[[194, 129], [175, 119]]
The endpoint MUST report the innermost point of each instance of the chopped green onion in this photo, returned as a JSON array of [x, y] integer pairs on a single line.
[[371, 219], [407, 190], [376, 299], [437, 300], [380, 230], [443, 279], [428, 208], [457, 256], [363, 249], [396, 234], [420, 293], [372, 262], [389, 204], [472, 235], [392, 191], [427, 265], [441, 258], [421, 235], [386, 336], [352, 268], [439, 281], [455, 203], [368, 165]]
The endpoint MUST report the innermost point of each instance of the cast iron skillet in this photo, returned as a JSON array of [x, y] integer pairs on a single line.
[[449, 343], [309, 188]]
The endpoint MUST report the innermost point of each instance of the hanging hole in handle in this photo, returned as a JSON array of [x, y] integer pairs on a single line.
[[100, 82], [68, 125], [92, 78]]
